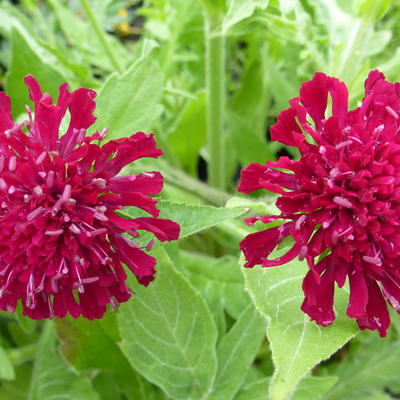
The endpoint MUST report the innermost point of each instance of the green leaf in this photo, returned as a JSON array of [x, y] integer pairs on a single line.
[[26, 323], [194, 219], [105, 385], [191, 218], [372, 10], [29, 58], [236, 352], [52, 378], [6, 368], [73, 27], [257, 390], [213, 6], [92, 345], [312, 387], [207, 274], [249, 147], [374, 366], [297, 344], [189, 134], [375, 395], [130, 102], [19, 387], [239, 10], [168, 334]]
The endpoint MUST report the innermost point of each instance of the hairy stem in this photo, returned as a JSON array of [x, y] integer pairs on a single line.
[[215, 87]]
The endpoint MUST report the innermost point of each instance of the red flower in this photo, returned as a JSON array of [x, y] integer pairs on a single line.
[[340, 202], [61, 238]]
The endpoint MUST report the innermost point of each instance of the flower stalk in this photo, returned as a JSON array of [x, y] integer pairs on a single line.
[[215, 89]]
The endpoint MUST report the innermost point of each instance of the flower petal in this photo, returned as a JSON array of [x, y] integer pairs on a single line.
[[377, 315]]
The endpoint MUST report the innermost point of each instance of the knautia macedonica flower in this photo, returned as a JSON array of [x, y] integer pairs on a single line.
[[340, 201], [62, 242]]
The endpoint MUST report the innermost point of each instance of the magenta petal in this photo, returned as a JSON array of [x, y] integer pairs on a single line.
[[6, 120], [288, 256], [145, 183], [255, 177], [391, 290], [373, 77], [127, 150], [81, 106], [163, 229], [265, 219], [35, 92], [318, 302], [358, 295], [286, 126], [258, 246], [377, 315], [141, 264], [314, 96], [340, 98], [47, 116], [138, 200]]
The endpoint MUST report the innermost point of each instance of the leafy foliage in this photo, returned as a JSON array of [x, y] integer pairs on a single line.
[[169, 336], [297, 344]]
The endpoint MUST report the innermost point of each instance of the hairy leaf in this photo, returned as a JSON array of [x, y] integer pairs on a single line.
[[297, 343], [168, 334]]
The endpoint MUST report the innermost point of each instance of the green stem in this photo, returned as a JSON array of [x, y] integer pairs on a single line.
[[100, 34], [235, 228], [215, 86], [22, 354], [184, 181]]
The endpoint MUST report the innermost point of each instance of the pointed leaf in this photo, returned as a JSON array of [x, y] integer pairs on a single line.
[[6, 368], [207, 274], [297, 343], [312, 387], [193, 219], [29, 58], [91, 346], [257, 390], [129, 103], [374, 366], [239, 10], [168, 334], [52, 378], [236, 352]]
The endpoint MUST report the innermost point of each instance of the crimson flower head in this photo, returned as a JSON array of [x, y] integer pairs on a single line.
[[62, 241], [340, 201]]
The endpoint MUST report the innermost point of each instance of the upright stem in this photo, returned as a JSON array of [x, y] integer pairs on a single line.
[[215, 86], [100, 34]]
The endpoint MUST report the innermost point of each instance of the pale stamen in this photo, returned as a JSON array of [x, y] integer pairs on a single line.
[[341, 201], [12, 164], [41, 157], [54, 233], [35, 213], [392, 112]]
